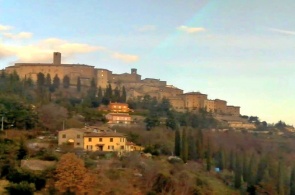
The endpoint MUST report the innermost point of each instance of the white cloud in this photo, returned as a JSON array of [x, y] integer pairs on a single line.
[[21, 35], [147, 28], [191, 30], [286, 32], [41, 51], [5, 28], [125, 57]]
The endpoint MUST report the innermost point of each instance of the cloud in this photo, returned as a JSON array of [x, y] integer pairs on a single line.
[[5, 28], [147, 28], [191, 30], [286, 32], [21, 35], [41, 51], [125, 57]]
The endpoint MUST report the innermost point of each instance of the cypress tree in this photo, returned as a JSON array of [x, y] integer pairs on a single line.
[[177, 143], [245, 168], [78, 84], [280, 180], [184, 148], [48, 80], [66, 81], [56, 82], [192, 150], [232, 161], [199, 144], [124, 95], [208, 156], [292, 181], [238, 173], [252, 170]]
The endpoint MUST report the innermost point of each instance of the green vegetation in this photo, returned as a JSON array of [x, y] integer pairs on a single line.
[[204, 162]]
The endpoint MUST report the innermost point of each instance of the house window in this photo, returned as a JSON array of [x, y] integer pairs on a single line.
[[78, 144], [122, 147], [89, 147], [64, 136], [111, 139], [111, 147], [78, 136], [100, 139], [90, 139]]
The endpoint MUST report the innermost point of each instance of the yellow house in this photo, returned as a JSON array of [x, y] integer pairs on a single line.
[[130, 146], [72, 136], [105, 141]]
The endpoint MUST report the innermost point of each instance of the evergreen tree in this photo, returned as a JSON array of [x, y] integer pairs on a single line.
[[245, 167], [232, 162], [208, 156], [280, 179], [116, 96], [220, 159], [78, 84], [56, 82], [40, 80], [177, 143], [184, 146], [237, 173], [124, 95], [171, 120], [199, 144], [99, 94], [292, 181], [48, 80], [252, 171], [192, 150], [66, 81]]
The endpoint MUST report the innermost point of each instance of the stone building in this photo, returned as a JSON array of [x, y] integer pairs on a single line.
[[134, 85]]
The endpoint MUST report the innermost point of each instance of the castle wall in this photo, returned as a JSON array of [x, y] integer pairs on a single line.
[[209, 105], [194, 100], [103, 77], [154, 82], [177, 103], [233, 110], [220, 106]]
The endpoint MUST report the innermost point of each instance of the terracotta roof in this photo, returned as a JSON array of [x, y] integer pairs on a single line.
[[104, 134]]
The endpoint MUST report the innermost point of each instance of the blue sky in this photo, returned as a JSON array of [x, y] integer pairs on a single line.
[[242, 51]]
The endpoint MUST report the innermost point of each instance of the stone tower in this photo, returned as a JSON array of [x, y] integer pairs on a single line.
[[133, 71], [57, 58]]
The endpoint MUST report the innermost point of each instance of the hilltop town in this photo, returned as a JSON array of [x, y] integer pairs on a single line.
[[122, 128], [134, 85]]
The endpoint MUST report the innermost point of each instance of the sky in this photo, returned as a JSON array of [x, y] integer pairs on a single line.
[[241, 51]]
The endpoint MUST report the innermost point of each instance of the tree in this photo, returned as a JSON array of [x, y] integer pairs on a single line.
[[40, 80], [292, 181], [116, 96], [208, 156], [177, 143], [124, 95], [199, 143], [51, 116], [56, 82], [192, 148], [78, 84], [48, 80], [238, 173], [71, 175], [184, 146], [171, 121], [66, 81]]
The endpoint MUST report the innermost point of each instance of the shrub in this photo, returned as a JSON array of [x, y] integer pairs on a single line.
[[23, 188]]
